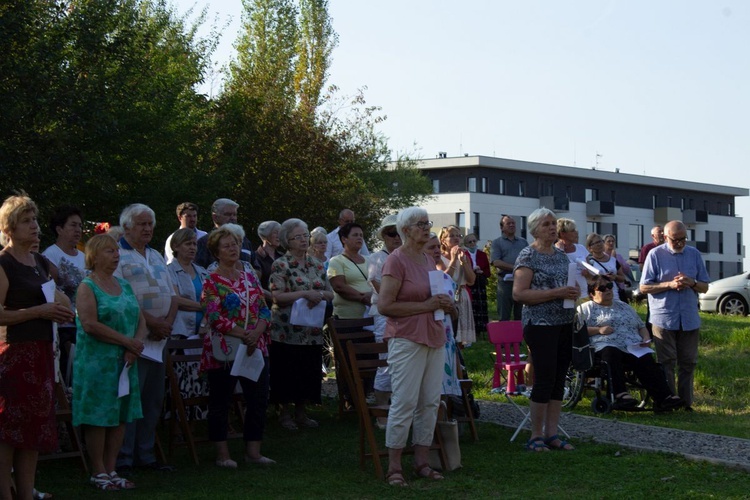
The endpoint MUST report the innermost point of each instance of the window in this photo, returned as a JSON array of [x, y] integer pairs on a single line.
[[682, 203], [721, 269], [460, 220], [592, 194], [521, 226], [669, 201], [521, 188], [484, 184], [729, 209], [654, 199], [475, 223], [691, 234], [721, 241], [471, 185], [635, 237], [739, 243], [435, 186], [591, 227], [569, 192], [501, 186], [612, 196]]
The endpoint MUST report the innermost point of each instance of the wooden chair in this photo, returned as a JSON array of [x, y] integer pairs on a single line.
[[466, 384], [179, 425], [364, 361], [64, 415], [343, 331]]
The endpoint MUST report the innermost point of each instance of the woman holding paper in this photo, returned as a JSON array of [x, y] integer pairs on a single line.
[[234, 305], [540, 284], [296, 351], [27, 412], [616, 330], [602, 261], [458, 265], [416, 345], [110, 337]]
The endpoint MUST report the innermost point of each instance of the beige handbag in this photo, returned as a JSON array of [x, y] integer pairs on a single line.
[[448, 430]]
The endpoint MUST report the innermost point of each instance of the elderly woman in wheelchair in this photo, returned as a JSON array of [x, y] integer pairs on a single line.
[[621, 341]]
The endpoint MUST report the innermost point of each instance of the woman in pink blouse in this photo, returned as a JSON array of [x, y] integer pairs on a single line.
[[234, 304], [416, 343]]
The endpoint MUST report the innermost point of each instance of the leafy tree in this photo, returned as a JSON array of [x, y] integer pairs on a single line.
[[315, 44]]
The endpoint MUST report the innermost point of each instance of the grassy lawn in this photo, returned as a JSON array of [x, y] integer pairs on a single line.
[[722, 381], [323, 463]]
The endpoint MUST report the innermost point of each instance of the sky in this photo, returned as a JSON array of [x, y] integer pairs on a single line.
[[657, 88]]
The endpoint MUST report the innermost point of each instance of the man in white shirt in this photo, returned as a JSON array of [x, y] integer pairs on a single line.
[[335, 247], [187, 214]]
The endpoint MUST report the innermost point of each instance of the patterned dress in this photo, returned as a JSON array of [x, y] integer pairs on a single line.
[[98, 364]]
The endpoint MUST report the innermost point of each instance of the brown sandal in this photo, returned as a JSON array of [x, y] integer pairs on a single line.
[[427, 472], [396, 478]]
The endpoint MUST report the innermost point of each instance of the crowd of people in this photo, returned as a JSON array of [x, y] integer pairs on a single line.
[[120, 300]]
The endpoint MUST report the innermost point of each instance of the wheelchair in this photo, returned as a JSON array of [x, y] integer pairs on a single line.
[[599, 380]]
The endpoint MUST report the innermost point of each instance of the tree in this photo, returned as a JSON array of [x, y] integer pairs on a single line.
[[315, 44]]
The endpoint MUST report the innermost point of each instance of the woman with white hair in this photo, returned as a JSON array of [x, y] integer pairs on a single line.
[[296, 351], [318, 245], [268, 232], [416, 343], [540, 283]]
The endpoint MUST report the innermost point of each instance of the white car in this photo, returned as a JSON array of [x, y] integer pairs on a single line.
[[727, 296]]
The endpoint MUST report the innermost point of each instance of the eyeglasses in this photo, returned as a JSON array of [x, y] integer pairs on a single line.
[[596, 242], [470, 242], [604, 288], [300, 237], [391, 234], [423, 224], [678, 240]]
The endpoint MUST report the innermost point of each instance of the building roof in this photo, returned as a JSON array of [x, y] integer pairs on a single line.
[[586, 173]]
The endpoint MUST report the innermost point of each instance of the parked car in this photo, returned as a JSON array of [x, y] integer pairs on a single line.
[[727, 296]]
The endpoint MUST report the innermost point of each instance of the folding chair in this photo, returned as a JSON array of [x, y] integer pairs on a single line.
[[64, 415], [507, 337], [343, 331], [466, 384], [181, 351], [364, 361]]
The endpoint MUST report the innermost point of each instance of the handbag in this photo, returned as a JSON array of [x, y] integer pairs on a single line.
[[448, 430], [232, 343], [583, 351]]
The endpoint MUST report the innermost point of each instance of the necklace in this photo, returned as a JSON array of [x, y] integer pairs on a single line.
[[111, 286]]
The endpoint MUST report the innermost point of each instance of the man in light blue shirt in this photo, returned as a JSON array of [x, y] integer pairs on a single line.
[[673, 275]]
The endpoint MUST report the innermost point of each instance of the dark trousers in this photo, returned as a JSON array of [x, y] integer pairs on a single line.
[[648, 373], [221, 387], [552, 348]]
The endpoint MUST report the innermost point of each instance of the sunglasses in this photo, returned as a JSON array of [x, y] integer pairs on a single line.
[[391, 234], [604, 288]]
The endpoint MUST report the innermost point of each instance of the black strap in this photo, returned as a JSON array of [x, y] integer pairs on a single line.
[[356, 265]]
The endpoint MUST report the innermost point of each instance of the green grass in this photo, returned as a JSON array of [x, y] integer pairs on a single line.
[[323, 463], [722, 381]]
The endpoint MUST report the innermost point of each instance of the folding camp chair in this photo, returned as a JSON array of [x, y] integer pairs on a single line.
[[343, 331]]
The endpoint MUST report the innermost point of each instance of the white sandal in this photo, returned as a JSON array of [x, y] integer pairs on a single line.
[[121, 482], [103, 482]]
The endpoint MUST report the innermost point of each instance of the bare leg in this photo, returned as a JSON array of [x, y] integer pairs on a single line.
[[6, 464], [222, 451], [252, 450], [394, 459], [24, 466], [550, 427], [538, 417], [112, 444], [95, 445]]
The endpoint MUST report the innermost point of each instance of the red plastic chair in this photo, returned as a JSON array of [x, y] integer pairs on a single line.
[[507, 337]]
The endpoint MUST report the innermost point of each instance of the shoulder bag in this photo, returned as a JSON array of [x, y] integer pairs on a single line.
[[448, 429], [583, 351], [227, 352]]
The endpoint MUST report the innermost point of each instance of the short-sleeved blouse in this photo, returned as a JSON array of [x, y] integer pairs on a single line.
[[225, 303], [550, 271], [620, 316], [421, 328], [356, 277], [291, 275]]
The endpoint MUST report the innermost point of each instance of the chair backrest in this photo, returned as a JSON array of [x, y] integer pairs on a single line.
[[507, 337], [344, 331]]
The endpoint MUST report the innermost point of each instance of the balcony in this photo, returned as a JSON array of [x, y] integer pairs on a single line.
[[598, 208], [555, 203], [662, 215], [695, 216]]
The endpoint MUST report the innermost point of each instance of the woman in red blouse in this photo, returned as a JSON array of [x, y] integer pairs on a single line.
[[234, 304]]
